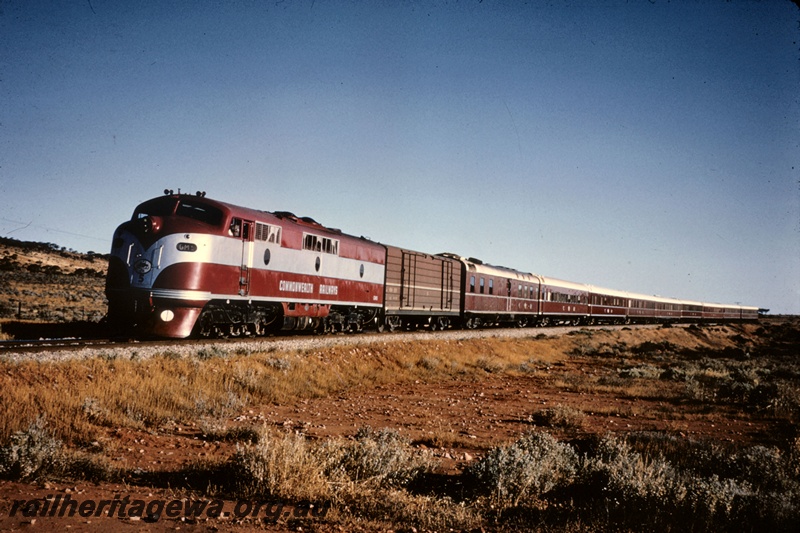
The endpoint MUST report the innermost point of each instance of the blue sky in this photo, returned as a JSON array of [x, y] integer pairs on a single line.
[[644, 146]]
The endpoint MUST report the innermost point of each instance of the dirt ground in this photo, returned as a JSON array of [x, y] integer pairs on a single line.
[[458, 419]]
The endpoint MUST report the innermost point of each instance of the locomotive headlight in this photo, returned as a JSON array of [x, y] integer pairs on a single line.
[[142, 266], [167, 315], [150, 224]]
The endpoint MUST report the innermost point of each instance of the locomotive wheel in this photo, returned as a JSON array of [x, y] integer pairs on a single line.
[[522, 322], [234, 330], [206, 327], [439, 323], [393, 323], [473, 323]]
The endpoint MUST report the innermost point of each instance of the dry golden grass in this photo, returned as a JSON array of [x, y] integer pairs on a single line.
[[77, 397]]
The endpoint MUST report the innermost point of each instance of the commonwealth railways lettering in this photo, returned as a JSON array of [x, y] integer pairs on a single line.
[[332, 290], [296, 286], [307, 288]]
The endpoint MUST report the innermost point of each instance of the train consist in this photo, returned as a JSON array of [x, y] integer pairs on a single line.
[[188, 265]]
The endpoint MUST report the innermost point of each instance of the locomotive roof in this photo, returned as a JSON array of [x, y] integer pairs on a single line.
[[257, 214]]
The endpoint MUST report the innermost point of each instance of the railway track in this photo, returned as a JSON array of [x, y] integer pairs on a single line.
[[74, 348]]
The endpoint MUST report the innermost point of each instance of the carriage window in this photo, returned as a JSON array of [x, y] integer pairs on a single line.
[[491, 286], [320, 244], [311, 242], [330, 246], [472, 284], [235, 229], [268, 233], [482, 284]]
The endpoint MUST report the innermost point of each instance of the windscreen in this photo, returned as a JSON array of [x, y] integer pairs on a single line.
[[168, 206], [199, 211], [160, 207]]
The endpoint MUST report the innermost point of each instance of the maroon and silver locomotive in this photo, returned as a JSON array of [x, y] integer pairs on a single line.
[[188, 264]]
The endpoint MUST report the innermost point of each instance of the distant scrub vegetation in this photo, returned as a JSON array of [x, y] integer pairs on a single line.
[[66, 288]]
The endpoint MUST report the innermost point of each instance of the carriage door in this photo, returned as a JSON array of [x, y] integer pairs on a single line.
[[247, 257], [447, 286], [408, 277]]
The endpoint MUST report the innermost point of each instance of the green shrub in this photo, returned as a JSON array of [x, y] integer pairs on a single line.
[[525, 470], [623, 475], [382, 458], [30, 454]]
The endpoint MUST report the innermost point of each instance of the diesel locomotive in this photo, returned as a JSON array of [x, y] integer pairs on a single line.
[[187, 265]]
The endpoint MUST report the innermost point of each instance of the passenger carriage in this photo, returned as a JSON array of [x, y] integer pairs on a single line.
[[497, 295], [563, 302], [608, 306]]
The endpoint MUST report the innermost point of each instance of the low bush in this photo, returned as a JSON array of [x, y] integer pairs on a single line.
[[381, 458], [282, 466], [562, 416], [30, 454], [35, 454], [524, 471], [669, 485], [289, 466]]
